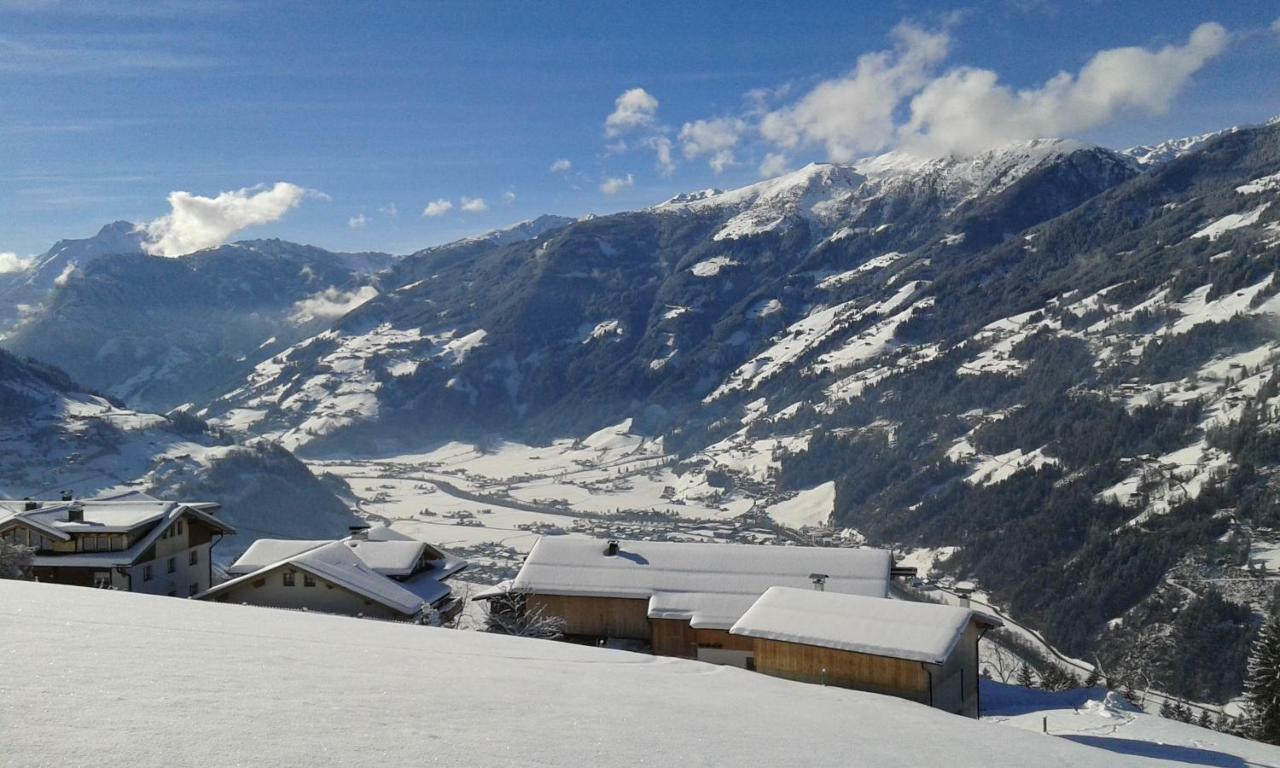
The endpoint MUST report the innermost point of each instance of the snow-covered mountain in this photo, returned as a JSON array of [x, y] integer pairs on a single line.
[[55, 436], [1170, 149], [23, 292], [557, 331], [160, 332]]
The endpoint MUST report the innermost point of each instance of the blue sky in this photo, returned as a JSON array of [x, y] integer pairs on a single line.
[[382, 108]]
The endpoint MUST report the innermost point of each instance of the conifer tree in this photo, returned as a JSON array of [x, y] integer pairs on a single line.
[[1262, 686], [1204, 721], [1025, 679], [1093, 680]]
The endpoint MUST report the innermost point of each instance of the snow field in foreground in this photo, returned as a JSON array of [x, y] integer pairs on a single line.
[[222, 685]]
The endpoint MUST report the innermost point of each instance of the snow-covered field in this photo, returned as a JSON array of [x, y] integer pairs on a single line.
[[227, 685], [490, 504]]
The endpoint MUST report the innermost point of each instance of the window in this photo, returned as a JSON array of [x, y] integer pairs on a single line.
[[178, 528], [288, 578], [193, 558], [308, 580], [146, 572], [89, 543], [193, 589], [173, 564]]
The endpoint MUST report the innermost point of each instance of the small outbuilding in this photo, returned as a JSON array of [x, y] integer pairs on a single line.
[[923, 652]]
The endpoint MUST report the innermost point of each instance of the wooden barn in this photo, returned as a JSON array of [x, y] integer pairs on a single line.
[[919, 651], [680, 599]]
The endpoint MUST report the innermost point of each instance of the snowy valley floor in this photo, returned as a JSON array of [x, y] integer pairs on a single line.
[[103, 678]]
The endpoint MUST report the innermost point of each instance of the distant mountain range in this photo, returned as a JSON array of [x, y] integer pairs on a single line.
[[1055, 361]]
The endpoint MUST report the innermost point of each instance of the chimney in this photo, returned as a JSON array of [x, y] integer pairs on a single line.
[[28, 505], [67, 496], [360, 532], [75, 513], [819, 581], [611, 549]]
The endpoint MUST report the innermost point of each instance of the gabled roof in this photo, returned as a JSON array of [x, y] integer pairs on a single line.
[[361, 565], [708, 583], [114, 513], [133, 554], [898, 629]]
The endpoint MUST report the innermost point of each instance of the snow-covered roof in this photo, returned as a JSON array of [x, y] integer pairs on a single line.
[[715, 579], [362, 564], [703, 610], [132, 555], [896, 628], [264, 552], [117, 513], [612, 709], [383, 549]]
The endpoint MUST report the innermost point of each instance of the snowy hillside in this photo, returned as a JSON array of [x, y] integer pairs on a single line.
[[160, 332], [511, 701], [55, 436]]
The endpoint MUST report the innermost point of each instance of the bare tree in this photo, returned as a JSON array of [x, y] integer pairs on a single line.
[[510, 614], [1001, 662]]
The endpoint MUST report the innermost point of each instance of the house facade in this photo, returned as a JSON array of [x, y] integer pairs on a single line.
[[374, 573], [130, 541], [677, 599], [923, 652]]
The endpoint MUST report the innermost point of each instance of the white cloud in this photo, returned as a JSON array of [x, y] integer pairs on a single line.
[[196, 222], [635, 108], [64, 275], [774, 164], [11, 262], [474, 205], [714, 139], [616, 184], [389, 210], [1275, 26], [509, 198], [969, 110], [563, 165], [330, 302], [853, 114], [662, 148], [437, 208], [358, 221]]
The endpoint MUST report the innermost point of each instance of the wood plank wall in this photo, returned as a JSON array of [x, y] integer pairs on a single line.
[[846, 669]]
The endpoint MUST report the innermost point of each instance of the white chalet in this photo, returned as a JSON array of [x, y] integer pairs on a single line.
[[375, 573], [127, 541]]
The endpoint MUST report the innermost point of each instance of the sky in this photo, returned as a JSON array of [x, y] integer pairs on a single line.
[[393, 126]]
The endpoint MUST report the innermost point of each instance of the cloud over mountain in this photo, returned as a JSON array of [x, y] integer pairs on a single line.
[[195, 222]]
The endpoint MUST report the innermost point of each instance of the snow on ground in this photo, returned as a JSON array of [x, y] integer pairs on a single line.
[[994, 469], [924, 559], [712, 266], [1196, 308], [1260, 184], [871, 265], [1102, 720], [1169, 480], [811, 508], [271, 684], [820, 325], [602, 330], [1000, 338], [1220, 227]]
